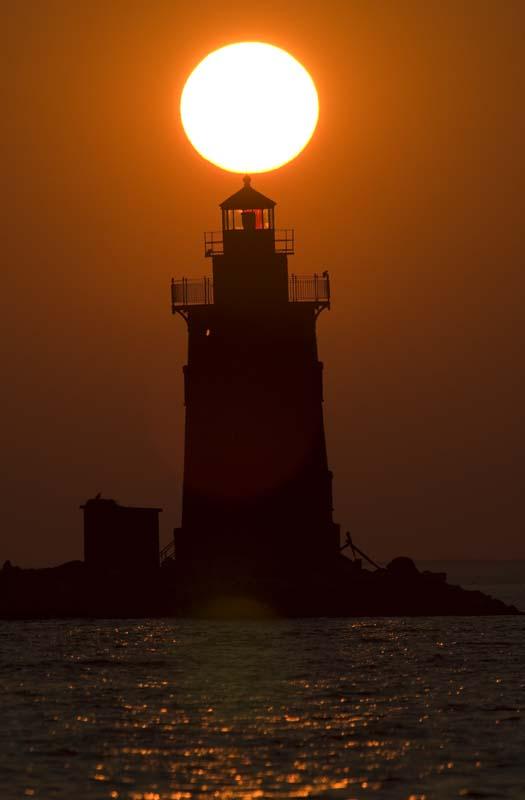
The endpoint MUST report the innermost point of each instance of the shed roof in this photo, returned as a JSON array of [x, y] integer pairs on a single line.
[[247, 198], [107, 502]]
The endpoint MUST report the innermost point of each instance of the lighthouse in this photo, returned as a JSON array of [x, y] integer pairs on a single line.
[[257, 489]]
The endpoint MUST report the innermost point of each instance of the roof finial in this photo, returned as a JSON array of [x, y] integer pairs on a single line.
[[246, 180]]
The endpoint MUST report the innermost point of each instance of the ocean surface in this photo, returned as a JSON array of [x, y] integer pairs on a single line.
[[343, 708]]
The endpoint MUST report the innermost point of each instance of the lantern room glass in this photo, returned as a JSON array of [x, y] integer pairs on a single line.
[[232, 219]]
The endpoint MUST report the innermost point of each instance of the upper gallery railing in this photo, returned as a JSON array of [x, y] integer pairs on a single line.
[[284, 242], [301, 289]]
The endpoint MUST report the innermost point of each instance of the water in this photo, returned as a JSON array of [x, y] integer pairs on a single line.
[[148, 710]]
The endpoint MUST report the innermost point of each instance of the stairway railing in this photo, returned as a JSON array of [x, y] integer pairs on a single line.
[[167, 552]]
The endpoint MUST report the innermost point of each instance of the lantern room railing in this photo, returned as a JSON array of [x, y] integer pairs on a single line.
[[284, 241], [213, 244], [301, 289]]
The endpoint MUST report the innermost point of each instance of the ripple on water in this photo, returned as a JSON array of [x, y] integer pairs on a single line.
[[151, 710]]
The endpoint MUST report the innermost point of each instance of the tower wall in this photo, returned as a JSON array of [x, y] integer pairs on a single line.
[[256, 481]]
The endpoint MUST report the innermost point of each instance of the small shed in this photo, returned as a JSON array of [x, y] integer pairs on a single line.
[[120, 537]]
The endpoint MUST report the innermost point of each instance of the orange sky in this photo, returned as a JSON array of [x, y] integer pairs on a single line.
[[411, 194]]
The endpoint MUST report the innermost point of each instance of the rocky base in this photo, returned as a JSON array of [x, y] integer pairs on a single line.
[[336, 588]]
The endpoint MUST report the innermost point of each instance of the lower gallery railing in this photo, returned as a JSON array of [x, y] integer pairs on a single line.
[[301, 289]]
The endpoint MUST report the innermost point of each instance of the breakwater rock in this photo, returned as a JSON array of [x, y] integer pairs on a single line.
[[338, 587]]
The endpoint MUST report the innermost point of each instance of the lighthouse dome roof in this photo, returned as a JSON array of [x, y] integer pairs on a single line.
[[247, 198]]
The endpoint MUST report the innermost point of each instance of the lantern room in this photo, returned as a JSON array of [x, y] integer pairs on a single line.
[[248, 226], [248, 210]]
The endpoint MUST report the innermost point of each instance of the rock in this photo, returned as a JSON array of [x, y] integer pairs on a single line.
[[403, 567]]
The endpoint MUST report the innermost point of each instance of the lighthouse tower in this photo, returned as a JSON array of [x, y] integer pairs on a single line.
[[257, 493]]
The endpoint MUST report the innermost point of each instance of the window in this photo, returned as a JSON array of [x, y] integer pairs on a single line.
[[263, 219]]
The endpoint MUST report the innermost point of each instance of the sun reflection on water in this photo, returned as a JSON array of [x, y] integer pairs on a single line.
[[239, 711]]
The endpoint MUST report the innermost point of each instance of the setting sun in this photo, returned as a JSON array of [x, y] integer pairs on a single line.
[[249, 107]]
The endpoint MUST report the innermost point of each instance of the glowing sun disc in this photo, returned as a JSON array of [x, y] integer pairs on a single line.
[[249, 107]]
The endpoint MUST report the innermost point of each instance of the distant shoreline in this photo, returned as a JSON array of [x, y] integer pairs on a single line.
[[482, 572]]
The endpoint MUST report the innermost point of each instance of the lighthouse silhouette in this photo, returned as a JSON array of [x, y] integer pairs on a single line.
[[257, 490]]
